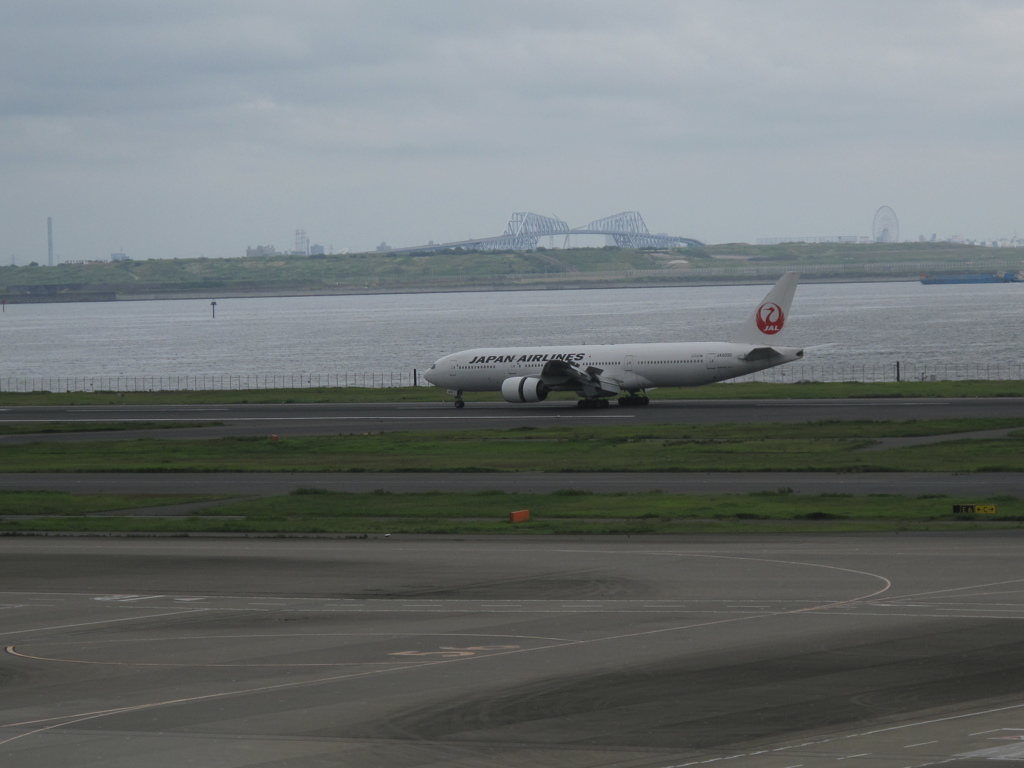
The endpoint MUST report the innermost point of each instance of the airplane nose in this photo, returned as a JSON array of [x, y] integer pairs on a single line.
[[429, 375]]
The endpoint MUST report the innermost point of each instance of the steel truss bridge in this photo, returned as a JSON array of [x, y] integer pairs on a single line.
[[525, 229]]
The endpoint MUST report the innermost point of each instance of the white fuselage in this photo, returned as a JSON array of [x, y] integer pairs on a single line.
[[633, 367]]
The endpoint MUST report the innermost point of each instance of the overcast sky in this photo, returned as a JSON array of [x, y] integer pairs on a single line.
[[186, 128]]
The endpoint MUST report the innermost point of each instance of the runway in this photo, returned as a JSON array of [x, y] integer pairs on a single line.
[[758, 652], [213, 421]]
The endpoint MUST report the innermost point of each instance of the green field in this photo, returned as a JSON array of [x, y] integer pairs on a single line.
[[567, 512], [835, 447], [822, 446]]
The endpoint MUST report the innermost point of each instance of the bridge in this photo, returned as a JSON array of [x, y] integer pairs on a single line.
[[525, 229]]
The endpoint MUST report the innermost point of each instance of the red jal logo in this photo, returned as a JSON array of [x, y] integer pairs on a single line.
[[770, 318]]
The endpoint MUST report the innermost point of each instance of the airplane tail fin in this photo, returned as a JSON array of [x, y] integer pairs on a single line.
[[763, 326]]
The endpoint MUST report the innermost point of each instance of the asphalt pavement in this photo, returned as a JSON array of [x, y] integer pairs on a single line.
[[214, 421], [753, 651]]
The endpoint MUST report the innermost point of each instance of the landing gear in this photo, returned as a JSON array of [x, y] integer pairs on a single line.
[[592, 402], [634, 400], [459, 402]]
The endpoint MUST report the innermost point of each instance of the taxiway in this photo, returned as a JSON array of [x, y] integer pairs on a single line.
[[760, 652]]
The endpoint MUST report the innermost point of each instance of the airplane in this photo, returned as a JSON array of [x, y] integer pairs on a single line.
[[599, 372]]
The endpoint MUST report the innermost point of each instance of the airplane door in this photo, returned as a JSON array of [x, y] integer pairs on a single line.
[[709, 361], [629, 363], [513, 368]]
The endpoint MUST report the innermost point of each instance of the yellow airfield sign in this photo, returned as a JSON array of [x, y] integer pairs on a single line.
[[974, 509]]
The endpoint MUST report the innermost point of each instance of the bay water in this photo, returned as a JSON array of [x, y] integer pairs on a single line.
[[840, 324]]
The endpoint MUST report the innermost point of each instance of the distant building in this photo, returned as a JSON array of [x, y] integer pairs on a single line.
[[119, 257], [384, 248], [317, 250], [810, 239], [261, 250]]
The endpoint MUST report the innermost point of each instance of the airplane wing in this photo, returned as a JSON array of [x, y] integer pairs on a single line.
[[560, 372], [562, 375]]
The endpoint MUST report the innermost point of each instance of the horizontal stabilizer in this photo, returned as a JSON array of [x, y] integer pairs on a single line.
[[760, 353]]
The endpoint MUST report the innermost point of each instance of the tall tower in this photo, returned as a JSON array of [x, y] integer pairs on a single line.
[[49, 237]]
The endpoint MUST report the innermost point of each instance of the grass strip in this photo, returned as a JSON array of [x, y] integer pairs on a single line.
[[566, 512], [821, 446], [64, 504]]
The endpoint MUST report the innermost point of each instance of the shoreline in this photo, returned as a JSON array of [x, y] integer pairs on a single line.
[[482, 287]]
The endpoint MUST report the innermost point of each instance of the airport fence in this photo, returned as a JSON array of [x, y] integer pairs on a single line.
[[792, 373], [797, 372], [211, 382]]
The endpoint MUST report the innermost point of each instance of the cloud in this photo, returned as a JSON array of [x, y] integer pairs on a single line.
[[410, 121]]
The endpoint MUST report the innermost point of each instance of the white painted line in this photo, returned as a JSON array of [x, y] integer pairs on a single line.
[[919, 723], [971, 610], [105, 621], [910, 746], [141, 597], [126, 598]]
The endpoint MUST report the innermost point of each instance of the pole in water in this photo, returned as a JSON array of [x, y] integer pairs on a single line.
[[213, 306]]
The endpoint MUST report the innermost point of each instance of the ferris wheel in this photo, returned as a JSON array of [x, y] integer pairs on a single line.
[[886, 227]]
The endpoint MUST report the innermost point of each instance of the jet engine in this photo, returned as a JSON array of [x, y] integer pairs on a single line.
[[523, 389]]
